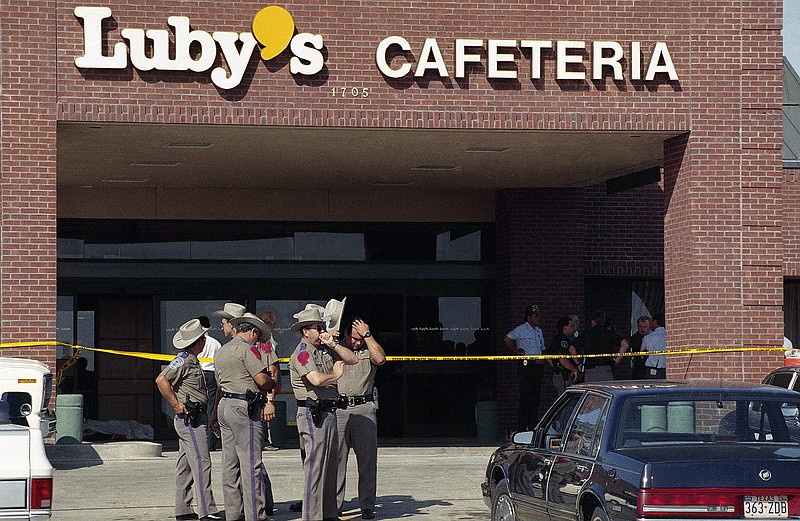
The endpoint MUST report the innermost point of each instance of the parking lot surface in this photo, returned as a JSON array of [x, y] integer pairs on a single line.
[[432, 483]]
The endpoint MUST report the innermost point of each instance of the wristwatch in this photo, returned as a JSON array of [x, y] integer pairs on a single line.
[[367, 334], [270, 398]]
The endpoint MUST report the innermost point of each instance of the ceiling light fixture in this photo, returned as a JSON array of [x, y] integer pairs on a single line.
[[434, 168], [125, 180], [487, 150], [392, 183], [156, 163], [188, 145]]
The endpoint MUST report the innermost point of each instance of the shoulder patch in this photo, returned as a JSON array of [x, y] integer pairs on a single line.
[[255, 351], [177, 362], [302, 357]]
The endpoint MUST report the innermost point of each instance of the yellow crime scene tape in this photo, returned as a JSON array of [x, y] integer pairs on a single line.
[[163, 357]]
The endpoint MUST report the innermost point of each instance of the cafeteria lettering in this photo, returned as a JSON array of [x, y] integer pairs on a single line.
[[606, 56]]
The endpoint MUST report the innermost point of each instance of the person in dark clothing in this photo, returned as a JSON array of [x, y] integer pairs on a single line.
[[598, 340], [565, 370], [637, 362]]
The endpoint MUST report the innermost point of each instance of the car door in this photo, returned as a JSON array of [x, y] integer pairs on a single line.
[[529, 466], [572, 467]]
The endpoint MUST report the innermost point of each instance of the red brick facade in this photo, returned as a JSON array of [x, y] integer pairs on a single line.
[[723, 214]]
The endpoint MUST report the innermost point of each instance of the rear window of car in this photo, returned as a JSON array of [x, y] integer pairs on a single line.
[[659, 421]]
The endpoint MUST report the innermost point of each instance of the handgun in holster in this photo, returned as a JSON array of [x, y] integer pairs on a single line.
[[255, 404], [194, 410]]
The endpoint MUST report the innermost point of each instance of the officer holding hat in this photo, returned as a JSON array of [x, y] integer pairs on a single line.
[[183, 385], [315, 366], [243, 373]]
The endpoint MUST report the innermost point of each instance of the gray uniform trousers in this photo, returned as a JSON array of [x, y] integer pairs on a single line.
[[193, 469], [244, 477], [358, 430], [319, 464]]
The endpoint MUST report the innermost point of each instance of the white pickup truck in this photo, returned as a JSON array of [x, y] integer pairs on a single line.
[[26, 386], [26, 476]]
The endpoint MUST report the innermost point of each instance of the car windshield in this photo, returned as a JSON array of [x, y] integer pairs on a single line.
[[661, 421]]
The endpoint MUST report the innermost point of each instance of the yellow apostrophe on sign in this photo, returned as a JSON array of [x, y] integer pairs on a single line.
[[273, 27]]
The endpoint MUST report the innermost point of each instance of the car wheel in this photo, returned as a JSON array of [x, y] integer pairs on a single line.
[[502, 507], [599, 515]]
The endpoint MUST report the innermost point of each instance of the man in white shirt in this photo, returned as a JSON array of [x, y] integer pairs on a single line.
[[209, 350], [656, 365], [527, 339]]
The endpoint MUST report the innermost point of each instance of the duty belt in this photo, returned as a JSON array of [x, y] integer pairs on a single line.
[[326, 405], [234, 395], [352, 401]]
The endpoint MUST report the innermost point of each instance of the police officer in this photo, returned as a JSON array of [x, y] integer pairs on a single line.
[[243, 372], [183, 385], [314, 367], [358, 424]]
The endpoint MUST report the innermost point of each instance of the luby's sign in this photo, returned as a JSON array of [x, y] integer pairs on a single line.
[[273, 30]]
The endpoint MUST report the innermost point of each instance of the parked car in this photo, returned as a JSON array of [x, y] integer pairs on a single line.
[[26, 385], [665, 450], [26, 476], [787, 377]]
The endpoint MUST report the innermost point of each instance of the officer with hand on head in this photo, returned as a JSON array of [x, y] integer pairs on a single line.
[[315, 366]]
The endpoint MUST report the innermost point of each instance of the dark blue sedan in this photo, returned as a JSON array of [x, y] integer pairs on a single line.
[[646, 450]]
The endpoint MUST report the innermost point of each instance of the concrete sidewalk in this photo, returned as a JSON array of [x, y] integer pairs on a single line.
[[437, 482]]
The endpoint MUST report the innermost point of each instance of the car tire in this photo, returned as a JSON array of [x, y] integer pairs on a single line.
[[502, 506], [598, 514]]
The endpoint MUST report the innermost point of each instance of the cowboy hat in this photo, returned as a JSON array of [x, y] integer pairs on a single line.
[[312, 314], [249, 318], [334, 310], [230, 310], [188, 333]]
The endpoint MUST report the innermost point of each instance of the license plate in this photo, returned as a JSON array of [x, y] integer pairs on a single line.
[[766, 506]]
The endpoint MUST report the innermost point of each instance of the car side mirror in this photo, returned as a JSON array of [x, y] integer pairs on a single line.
[[523, 438]]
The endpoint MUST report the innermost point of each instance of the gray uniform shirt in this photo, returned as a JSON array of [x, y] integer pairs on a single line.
[[237, 362], [358, 379], [186, 378], [305, 359]]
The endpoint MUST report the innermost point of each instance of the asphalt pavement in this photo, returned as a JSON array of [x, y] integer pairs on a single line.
[[436, 483]]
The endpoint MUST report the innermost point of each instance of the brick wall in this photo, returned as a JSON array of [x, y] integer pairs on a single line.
[[28, 163]]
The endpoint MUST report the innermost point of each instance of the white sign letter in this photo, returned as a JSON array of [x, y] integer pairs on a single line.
[[306, 48], [562, 59], [494, 58], [462, 57], [93, 41], [237, 62], [183, 41], [380, 57], [661, 52], [599, 61], [536, 47], [430, 50], [636, 60]]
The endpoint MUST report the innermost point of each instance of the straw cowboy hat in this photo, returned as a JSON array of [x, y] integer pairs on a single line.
[[334, 310], [249, 318], [230, 310], [312, 314], [188, 333]]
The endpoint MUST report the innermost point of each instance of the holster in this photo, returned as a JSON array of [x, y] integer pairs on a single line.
[[194, 411], [255, 404]]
